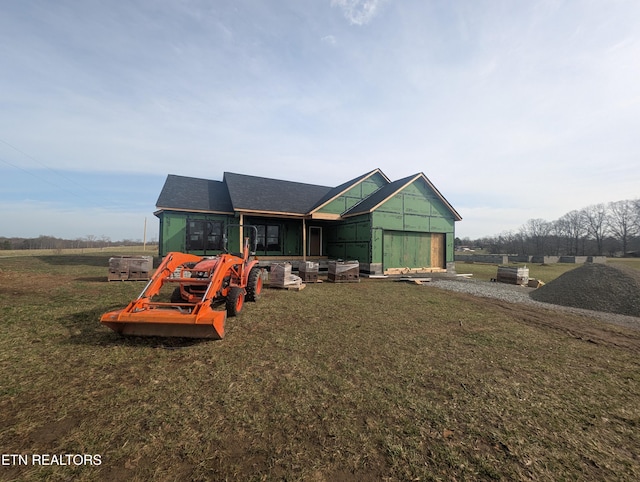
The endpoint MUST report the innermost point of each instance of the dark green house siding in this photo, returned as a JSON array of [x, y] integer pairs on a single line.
[[289, 233], [350, 239], [406, 249], [174, 232], [354, 195], [401, 229]]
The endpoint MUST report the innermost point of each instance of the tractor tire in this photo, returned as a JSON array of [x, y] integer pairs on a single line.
[[235, 301], [254, 284]]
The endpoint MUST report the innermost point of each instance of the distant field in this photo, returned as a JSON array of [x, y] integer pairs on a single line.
[[546, 273], [630, 262], [150, 250], [377, 380]]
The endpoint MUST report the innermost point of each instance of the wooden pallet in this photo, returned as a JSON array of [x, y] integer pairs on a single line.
[[417, 281], [340, 278], [291, 287], [396, 271]]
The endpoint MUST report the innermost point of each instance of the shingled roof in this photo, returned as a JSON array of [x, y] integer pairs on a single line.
[[252, 193], [194, 194], [239, 192], [243, 193]]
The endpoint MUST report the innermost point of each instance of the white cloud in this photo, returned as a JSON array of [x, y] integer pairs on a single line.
[[358, 12], [329, 39]]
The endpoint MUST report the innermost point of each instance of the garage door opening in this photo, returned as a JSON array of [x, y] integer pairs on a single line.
[[411, 250]]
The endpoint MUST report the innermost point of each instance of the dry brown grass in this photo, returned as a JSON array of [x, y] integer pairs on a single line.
[[369, 381]]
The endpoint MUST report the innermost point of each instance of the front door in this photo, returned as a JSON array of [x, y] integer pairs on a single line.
[[315, 241]]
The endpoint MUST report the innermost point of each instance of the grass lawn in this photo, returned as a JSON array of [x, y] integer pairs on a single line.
[[371, 381]]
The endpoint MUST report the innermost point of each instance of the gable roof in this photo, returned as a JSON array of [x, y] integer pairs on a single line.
[[378, 197], [253, 194], [372, 202], [259, 194], [342, 188], [193, 194]]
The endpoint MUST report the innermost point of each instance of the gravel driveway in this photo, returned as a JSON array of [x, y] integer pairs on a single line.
[[520, 294]]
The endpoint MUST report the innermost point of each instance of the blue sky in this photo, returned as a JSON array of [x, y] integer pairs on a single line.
[[513, 109]]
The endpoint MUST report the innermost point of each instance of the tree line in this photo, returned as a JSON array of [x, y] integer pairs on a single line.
[[51, 242], [609, 229]]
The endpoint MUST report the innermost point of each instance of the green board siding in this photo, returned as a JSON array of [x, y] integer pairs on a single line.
[[354, 195], [406, 250], [415, 211], [350, 239], [289, 235], [173, 230], [449, 243], [416, 222]]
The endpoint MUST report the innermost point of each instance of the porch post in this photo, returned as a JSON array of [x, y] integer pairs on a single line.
[[241, 240], [304, 240]]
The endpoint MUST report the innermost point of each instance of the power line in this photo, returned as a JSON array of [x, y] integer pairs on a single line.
[[48, 181]]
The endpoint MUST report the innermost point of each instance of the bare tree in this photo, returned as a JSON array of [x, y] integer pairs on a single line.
[[90, 239], [556, 236], [510, 242], [537, 230], [105, 241], [586, 231], [596, 221], [574, 227], [623, 222]]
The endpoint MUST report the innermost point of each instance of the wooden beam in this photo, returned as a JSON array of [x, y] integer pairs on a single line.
[[325, 216]]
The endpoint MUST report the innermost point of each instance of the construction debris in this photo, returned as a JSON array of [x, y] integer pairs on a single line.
[[535, 283]]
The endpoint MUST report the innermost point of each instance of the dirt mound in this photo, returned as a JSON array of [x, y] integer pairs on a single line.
[[594, 286]]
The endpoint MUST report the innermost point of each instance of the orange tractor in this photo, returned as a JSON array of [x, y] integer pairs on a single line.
[[207, 290]]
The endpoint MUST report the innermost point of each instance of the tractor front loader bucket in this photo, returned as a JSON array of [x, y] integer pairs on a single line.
[[193, 319], [170, 321]]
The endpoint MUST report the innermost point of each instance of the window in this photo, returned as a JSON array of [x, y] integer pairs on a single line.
[[204, 235], [269, 238]]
